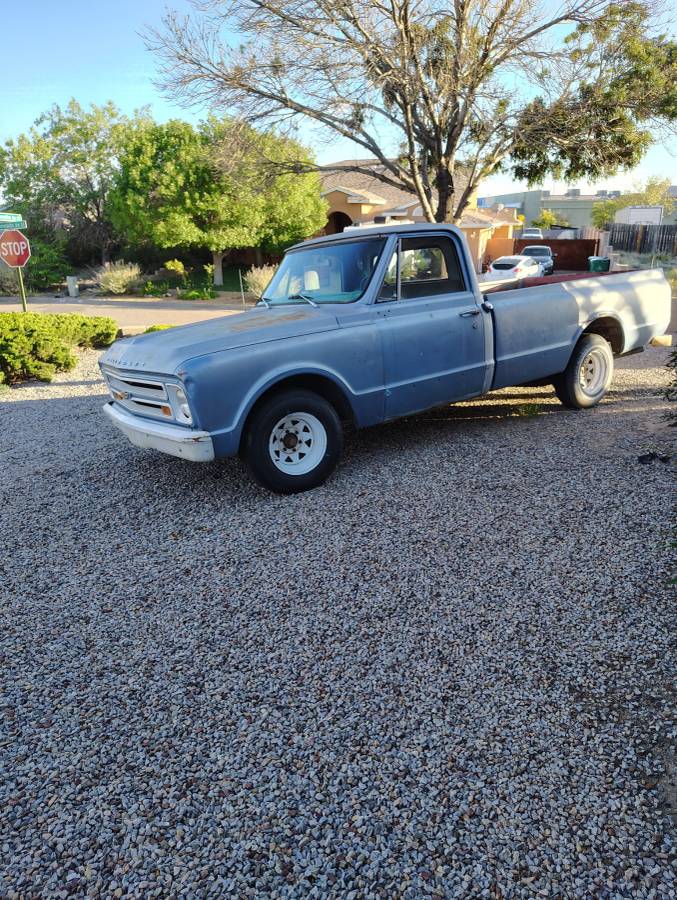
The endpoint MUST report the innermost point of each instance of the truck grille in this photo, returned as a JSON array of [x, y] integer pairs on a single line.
[[142, 396]]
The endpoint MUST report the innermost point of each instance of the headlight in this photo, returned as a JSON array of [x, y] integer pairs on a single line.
[[180, 404]]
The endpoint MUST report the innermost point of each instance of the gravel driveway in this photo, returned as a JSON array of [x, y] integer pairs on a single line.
[[444, 673]]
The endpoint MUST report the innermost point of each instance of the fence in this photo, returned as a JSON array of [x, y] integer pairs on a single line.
[[644, 238], [571, 255]]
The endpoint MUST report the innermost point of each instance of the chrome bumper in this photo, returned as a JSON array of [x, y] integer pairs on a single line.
[[183, 442]]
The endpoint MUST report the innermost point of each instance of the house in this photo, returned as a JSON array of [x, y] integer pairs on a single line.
[[356, 198]]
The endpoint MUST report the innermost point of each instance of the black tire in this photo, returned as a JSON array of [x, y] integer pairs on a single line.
[[256, 447], [593, 362]]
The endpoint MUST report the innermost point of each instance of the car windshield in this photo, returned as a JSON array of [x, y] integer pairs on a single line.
[[536, 251], [326, 273]]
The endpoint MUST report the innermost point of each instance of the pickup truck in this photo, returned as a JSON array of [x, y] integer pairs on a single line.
[[363, 327]]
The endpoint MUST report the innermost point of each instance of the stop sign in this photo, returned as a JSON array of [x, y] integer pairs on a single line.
[[14, 249]]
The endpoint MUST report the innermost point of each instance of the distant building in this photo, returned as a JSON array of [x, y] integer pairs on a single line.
[[639, 215], [573, 206]]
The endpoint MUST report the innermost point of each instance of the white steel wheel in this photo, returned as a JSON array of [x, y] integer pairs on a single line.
[[298, 443], [593, 374], [588, 375]]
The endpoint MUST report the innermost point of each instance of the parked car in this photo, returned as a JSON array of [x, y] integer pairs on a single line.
[[521, 266], [543, 255], [362, 327], [534, 233]]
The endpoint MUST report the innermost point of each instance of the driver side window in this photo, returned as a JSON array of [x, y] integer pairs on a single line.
[[429, 266]]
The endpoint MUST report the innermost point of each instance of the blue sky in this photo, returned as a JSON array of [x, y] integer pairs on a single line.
[[93, 51]]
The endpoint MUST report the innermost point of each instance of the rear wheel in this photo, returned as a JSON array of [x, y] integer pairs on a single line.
[[586, 379], [293, 442]]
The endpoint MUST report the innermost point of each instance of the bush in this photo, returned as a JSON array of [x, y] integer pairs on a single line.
[[201, 293], [177, 267], [9, 284], [33, 345], [47, 266], [153, 328], [258, 278], [156, 289], [119, 277]]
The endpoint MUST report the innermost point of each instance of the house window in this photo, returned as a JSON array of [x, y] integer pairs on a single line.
[[429, 266]]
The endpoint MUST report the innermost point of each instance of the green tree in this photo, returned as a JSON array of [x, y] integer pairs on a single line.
[[206, 188], [431, 89], [548, 219], [656, 192], [59, 175]]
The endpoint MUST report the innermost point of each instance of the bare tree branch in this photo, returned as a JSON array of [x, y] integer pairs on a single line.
[[431, 89]]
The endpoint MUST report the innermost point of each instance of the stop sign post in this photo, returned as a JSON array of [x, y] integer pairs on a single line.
[[15, 251]]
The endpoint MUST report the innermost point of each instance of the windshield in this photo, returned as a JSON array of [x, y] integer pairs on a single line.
[[536, 251], [327, 273]]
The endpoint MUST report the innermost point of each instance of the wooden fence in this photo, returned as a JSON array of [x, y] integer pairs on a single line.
[[644, 238]]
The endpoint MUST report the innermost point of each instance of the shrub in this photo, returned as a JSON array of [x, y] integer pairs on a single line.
[[9, 284], [33, 345], [47, 266], [258, 278], [153, 328], [155, 289], [200, 293], [177, 267], [119, 277]]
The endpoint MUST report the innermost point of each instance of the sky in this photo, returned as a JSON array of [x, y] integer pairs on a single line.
[[93, 51]]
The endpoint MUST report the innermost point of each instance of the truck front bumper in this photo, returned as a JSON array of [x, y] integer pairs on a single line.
[[173, 439]]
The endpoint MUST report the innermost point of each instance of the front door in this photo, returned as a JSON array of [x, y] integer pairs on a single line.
[[433, 335]]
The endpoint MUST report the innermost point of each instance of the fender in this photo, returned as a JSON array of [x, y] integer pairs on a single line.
[[228, 438], [611, 329]]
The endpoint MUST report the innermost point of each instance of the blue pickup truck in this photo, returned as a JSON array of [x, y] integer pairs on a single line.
[[363, 327]]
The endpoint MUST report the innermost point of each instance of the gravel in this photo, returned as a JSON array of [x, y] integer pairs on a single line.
[[444, 673]]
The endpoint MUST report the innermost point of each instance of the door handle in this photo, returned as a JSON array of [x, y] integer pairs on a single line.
[[472, 312]]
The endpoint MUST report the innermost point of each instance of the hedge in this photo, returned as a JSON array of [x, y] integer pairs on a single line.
[[33, 345]]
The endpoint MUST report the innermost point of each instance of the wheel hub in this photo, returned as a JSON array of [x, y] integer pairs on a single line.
[[593, 373], [297, 443]]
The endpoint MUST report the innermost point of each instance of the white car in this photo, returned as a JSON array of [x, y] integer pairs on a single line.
[[515, 267], [534, 233]]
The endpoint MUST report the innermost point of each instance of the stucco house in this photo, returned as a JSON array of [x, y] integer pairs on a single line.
[[356, 198]]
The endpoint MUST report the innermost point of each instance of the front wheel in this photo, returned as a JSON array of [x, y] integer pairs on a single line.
[[586, 379], [293, 442]]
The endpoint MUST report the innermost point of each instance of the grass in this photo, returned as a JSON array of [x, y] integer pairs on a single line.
[[528, 410]]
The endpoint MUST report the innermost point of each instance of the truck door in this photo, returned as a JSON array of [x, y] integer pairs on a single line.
[[433, 331]]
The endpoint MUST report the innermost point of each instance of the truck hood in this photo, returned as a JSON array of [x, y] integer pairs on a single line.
[[164, 352]]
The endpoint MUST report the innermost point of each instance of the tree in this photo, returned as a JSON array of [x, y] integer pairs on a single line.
[[656, 192], [179, 186], [432, 88], [547, 219], [59, 175]]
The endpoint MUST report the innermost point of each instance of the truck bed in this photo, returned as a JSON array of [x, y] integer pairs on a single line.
[[634, 305]]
